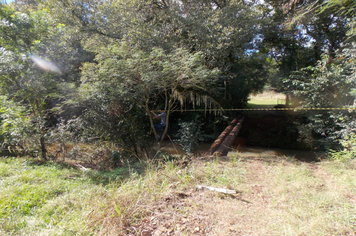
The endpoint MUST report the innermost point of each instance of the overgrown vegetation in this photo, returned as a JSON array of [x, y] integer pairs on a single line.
[[348, 151], [190, 134], [105, 65], [78, 80], [274, 196]]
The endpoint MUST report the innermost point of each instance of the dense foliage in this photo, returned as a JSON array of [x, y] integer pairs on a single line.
[[103, 65]]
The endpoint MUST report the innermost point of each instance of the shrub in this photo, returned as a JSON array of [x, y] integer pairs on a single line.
[[327, 85], [189, 135], [349, 149], [117, 121], [18, 132]]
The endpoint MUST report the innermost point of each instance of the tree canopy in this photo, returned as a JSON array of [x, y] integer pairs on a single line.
[[93, 58]]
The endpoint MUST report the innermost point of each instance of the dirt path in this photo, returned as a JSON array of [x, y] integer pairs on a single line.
[[209, 213], [253, 211]]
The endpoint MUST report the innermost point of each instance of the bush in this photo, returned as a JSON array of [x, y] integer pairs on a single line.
[[189, 135], [327, 85], [19, 134], [349, 149], [118, 121]]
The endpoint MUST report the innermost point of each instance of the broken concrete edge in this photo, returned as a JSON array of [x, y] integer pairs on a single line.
[[220, 190]]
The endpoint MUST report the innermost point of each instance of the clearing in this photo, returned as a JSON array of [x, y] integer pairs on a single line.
[[267, 99]]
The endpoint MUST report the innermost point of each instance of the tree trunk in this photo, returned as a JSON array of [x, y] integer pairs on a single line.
[[222, 137], [43, 148], [223, 149]]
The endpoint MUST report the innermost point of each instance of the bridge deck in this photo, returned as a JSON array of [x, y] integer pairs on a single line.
[[221, 145]]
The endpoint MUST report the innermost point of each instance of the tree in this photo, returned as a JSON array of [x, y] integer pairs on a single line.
[[31, 48], [322, 20], [17, 129], [226, 32], [330, 83], [298, 36], [142, 77]]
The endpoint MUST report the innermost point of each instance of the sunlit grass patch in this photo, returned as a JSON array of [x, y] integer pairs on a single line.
[[219, 174], [267, 99], [308, 202], [27, 189]]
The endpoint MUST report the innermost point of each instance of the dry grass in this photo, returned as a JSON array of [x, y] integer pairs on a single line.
[[275, 196]]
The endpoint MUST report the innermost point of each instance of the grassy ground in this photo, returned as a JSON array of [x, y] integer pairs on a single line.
[[275, 196], [267, 99]]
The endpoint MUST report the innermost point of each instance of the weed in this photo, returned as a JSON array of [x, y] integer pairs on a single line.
[[190, 134], [349, 149]]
